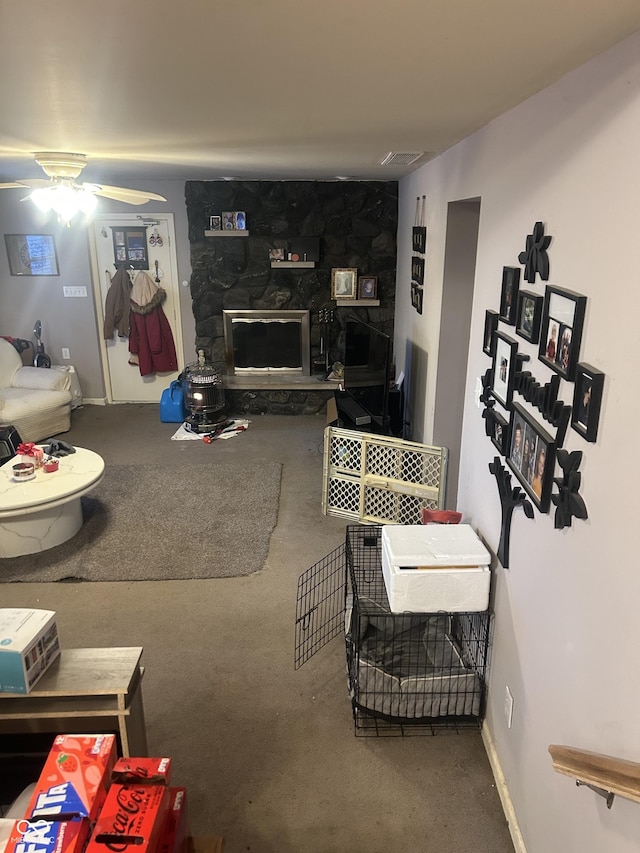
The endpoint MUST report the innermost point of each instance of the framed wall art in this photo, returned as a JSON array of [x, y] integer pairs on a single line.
[[417, 270], [130, 248], [529, 315], [504, 368], [490, 326], [561, 330], [498, 429], [344, 283], [31, 254], [531, 456], [368, 287], [509, 294], [587, 399]]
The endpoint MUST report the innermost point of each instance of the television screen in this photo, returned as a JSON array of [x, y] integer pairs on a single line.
[[367, 366]]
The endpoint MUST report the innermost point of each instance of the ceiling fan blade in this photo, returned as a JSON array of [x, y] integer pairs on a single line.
[[30, 183], [123, 194]]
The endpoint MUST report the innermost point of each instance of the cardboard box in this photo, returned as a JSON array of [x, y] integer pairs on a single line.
[[131, 820], [433, 567], [29, 644], [75, 777], [142, 771], [175, 834], [206, 844], [48, 836]]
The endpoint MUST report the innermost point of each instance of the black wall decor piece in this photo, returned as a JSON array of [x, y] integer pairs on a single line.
[[504, 368], [490, 326], [587, 400], [535, 258], [510, 498], [561, 330], [568, 502], [419, 241], [497, 429], [545, 399], [417, 270]]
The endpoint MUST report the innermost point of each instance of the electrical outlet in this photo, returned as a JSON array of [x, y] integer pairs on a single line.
[[508, 706], [65, 353]]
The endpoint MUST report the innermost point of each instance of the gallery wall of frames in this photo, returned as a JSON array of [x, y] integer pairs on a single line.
[[532, 442]]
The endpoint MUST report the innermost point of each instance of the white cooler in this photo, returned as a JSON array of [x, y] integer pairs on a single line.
[[435, 567]]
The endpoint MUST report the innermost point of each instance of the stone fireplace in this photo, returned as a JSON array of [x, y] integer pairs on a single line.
[[261, 342]]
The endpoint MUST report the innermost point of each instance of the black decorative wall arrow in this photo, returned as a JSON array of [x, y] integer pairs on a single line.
[[534, 257], [509, 499], [568, 502]]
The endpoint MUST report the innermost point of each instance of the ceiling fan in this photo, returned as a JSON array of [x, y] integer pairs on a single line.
[[60, 192]]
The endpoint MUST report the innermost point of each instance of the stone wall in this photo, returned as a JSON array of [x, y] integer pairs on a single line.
[[356, 223]]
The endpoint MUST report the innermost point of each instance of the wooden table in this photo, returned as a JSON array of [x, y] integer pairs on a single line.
[[85, 690]]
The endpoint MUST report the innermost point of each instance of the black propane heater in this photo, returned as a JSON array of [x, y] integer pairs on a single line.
[[203, 392]]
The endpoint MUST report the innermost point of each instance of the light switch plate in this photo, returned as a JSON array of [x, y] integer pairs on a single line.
[[74, 291]]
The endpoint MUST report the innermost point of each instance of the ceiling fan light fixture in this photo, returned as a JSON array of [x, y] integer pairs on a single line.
[[65, 200]]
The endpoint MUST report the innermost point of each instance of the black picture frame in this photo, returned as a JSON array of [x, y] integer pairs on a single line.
[[529, 316], [490, 326], [587, 401], [31, 254], [498, 428], [509, 294], [561, 330], [417, 270], [503, 372], [419, 239], [417, 297], [531, 455], [130, 247]]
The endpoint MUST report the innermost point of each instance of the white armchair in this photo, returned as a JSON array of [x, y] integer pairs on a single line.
[[35, 400]]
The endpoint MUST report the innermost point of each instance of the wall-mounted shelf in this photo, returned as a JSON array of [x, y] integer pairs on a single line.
[[289, 265], [236, 233], [604, 774], [349, 303]]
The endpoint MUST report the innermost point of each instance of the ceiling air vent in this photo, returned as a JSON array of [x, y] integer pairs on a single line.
[[395, 158]]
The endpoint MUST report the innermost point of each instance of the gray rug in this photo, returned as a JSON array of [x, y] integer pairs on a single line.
[[146, 522]]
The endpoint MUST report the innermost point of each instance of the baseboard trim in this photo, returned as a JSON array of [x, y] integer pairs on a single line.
[[503, 791], [95, 401]]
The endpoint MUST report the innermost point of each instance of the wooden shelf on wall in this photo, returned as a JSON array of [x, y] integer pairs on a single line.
[[236, 233], [349, 303], [603, 773], [289, 265]]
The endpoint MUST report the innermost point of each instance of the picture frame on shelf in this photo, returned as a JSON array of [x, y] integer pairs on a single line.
[[587, 401], [529, 316], [215, 223], [531, 456], [239, 220], [344, 283], [561, 330], [498, 429], [368, 287], [276, 254], [490, 326], [503, 372], [31, 254], [228, 219], [509, 294]]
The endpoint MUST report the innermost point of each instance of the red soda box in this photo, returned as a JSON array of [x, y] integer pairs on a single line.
[[47, 836], [142, 771], [131, 819], [175, 834]]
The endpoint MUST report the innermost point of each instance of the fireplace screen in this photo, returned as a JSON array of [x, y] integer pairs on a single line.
[[267, 341]]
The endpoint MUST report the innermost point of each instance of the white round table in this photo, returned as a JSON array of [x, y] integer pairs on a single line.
[[38, 514]]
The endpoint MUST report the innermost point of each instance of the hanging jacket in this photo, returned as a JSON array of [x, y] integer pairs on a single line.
[[116, 306], [150, 336]]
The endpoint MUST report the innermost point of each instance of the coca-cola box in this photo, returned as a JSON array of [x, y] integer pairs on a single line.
[[145, 771], [175, 834], [131, 819]]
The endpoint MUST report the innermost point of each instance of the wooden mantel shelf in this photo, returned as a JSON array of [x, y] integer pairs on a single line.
[[603, 773]]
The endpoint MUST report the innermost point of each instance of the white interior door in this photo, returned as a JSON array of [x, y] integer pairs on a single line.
[[123, 381]]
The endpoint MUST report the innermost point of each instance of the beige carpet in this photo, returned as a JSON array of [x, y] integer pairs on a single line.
[[149, 522]]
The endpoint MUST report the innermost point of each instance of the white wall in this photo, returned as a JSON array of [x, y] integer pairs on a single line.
[[567, 610], [71, 322]]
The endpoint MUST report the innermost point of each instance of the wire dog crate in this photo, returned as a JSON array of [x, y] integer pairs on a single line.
[[408, 673], [374, 479]]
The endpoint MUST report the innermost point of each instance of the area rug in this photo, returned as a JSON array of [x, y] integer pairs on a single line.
[[146, 522]]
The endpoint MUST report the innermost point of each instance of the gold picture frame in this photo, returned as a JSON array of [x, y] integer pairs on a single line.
[[344, 283]]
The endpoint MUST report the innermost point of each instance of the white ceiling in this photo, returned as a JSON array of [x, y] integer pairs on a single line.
[[289, 89]]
